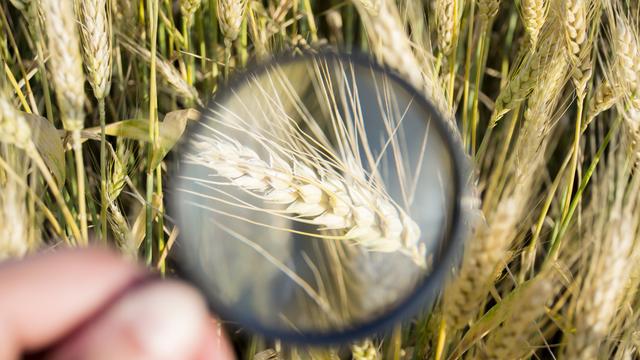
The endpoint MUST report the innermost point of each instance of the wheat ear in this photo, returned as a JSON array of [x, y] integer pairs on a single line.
[[68, 78], [14, 130], [576, 25], [168, 72], [604, 97], [488, 9], [524, 80], [627, 50], [327, 201], [188, 8], [605, 284], [392, 46], [95, 32], [446, 23], [511, 339], [534, 13]]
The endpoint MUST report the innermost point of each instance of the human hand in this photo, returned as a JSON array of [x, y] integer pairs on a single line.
[[91, 304]]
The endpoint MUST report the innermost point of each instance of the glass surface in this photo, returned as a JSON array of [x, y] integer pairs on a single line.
[[313, 196]]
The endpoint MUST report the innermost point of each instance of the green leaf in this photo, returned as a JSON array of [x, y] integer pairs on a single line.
[[48, 142], [171, 130]]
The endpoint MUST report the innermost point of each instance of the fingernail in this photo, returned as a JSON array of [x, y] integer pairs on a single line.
[[165, 321]]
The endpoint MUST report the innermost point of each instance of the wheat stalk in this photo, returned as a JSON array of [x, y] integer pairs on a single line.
[[534, 13], [325, 200], [511, 340]]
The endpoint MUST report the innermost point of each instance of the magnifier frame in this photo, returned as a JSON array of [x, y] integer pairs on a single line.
[[425, 291]]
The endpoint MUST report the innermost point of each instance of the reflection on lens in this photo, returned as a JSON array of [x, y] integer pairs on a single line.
[[314, 196]]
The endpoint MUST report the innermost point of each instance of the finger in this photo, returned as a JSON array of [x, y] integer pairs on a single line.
[[215, 344], [46, 296], [161, 320]]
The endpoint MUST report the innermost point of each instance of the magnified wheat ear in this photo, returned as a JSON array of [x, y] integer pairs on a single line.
[[317, 196]]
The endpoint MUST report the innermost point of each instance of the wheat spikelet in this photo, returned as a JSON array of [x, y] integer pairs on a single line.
[[446, 23], [604, 98], [488, 9], [65, 61], [188, 8], [96, 45], [324, 200], [534, 13], [511, 340], [230, 15]]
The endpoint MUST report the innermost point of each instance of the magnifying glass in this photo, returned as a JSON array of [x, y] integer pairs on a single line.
[[318, 200]]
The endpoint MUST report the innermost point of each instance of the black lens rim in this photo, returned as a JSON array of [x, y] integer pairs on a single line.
[[425, 292]]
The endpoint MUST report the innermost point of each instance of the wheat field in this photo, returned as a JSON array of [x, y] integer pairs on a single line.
[[544, 95]]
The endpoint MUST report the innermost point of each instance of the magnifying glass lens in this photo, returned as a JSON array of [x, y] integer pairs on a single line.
[[314, 196]]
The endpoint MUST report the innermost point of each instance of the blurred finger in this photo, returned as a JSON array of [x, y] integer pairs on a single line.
[[163, 320]]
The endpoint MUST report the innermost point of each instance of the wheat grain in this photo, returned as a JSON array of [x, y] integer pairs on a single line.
[[511, 340], [326, 201], [65, 61], [95, 33], [534, 13]]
